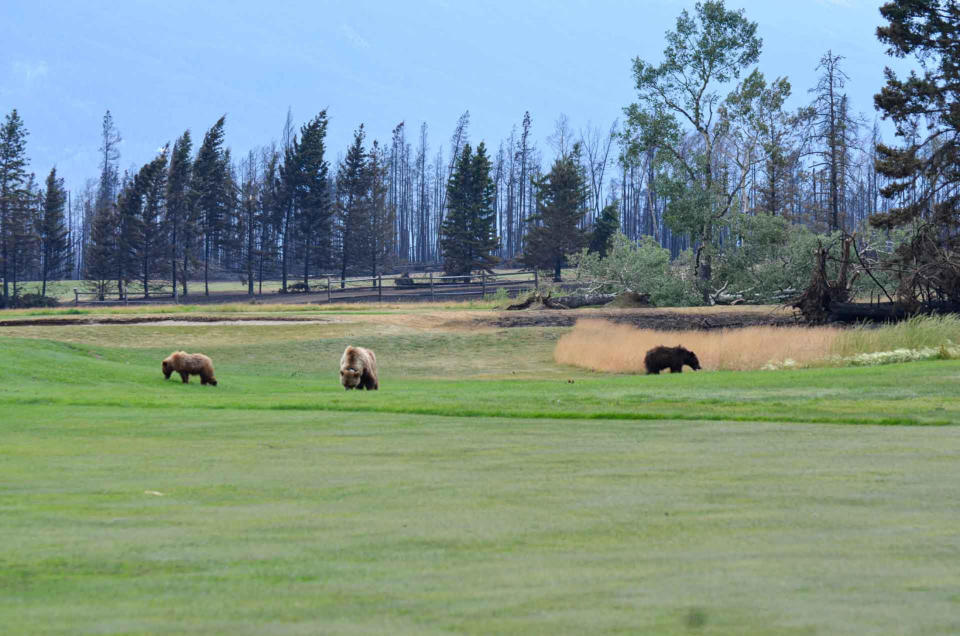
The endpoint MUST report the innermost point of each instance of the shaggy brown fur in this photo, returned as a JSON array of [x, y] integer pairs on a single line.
[[187, 364], [673, 358], [358, 369]]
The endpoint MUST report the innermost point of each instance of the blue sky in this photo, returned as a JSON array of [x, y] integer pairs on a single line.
[[163, 67]]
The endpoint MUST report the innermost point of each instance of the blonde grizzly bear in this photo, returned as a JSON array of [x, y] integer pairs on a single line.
[[187, 364], [358, 369]]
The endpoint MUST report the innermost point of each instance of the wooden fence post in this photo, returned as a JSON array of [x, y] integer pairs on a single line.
[[328, 289], [536, 279], [76, 297], [483, 282], [431, 285], [380, 288]]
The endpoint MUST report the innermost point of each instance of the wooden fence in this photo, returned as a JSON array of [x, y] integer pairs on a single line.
[[329, 289]]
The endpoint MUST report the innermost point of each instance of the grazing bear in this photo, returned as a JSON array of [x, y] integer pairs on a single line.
[[187, 364], [673, 358], [358, 369]]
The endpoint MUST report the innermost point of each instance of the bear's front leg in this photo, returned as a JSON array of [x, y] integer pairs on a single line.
[[185, 377]]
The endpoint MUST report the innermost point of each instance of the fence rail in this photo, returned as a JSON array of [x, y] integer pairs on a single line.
[[422, 287]]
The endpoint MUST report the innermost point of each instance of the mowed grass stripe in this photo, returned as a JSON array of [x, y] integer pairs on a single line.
[[495, 413], [191, 521], [299, 378]]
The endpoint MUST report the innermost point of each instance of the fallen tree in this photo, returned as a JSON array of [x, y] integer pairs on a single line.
[[537, 300], [829, 299]]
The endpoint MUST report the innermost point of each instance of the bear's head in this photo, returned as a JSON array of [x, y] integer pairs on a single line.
[[349, 377], [169, 364], [690, 359]]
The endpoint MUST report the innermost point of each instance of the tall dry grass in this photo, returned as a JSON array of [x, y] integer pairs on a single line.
[[604, 346], [919, 332]]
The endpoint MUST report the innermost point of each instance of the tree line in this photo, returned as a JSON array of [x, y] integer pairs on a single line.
[[707, 152]]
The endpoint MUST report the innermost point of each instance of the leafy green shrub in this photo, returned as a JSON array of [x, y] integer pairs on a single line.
[[643, 267]]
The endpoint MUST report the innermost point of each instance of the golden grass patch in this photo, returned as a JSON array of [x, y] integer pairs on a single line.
[[604, 346]]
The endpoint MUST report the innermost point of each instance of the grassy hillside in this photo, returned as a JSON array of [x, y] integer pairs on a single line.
[[479, 491]]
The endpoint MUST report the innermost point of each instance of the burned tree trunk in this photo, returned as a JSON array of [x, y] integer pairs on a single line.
[[538, 301]]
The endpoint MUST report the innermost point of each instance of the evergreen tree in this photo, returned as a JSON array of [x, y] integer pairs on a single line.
[[179, 221], [151, 187], [14, 194], [287, 176], [604, 228], [554, 231], [353, 186], [101, 249], [925, 170], [468, 236], [929, 30], [109, 182], [312, 199], [24, 220], [129, 234], [210, 192], [53, 234], [273, 205]]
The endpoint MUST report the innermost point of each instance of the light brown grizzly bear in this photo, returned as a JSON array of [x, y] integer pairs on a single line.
[[358, 369], [187, 364]]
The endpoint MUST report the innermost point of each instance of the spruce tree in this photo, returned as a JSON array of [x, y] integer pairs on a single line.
[[312, 199], [925, 169], [468, 236], [604, 228], [353, 185], [14, 193], [101, 249], [151, 187], [210, 191], [179, 222], [929, 30], [109, 183], [129, 234], [53, 233], [554, 231]]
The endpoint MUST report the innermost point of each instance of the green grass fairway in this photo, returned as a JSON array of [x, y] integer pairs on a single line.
[[484, 489]]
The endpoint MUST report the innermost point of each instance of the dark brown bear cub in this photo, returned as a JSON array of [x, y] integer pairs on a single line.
[[673, 358], [187, 364], [358, 369]]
